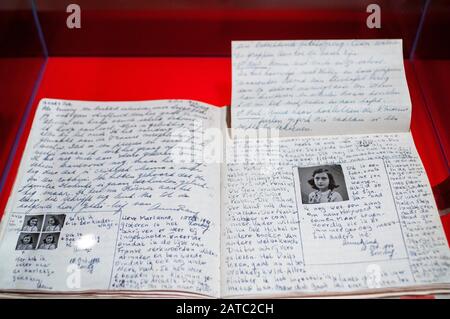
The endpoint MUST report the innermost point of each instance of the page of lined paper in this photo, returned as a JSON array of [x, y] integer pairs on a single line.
[[121, 212], [320, 87], [379, 228]]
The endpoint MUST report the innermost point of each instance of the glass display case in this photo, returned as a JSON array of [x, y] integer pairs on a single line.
[[431, 63], [143, 50]]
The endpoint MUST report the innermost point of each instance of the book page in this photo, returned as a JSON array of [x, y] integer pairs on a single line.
[[109, 197], [320, 87], [331, 214]]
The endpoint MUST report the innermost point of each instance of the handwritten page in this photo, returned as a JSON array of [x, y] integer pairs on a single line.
[[101, 201], [337, 214], [318, 87]]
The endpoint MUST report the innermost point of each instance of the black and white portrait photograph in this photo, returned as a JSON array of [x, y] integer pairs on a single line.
[[27, 241], [54, 223], [322, 184], [32, 223], [49, 241]]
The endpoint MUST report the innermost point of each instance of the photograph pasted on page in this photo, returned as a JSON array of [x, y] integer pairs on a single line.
[[322, 184], [45, 231]]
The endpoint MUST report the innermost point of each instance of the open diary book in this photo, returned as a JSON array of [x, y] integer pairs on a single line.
[[318, 190]]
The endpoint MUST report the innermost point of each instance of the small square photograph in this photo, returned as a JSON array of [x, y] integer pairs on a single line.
[[32, 223], [322, 184], [54, 223], [49, 241], [27, 241]]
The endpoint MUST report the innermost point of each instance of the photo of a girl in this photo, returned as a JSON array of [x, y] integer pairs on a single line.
[[49, 241], [322, 184], [53, 222], [27, 241], [32, 223]]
